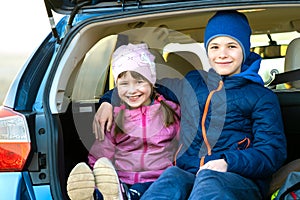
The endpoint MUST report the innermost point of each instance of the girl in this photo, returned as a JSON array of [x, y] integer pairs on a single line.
[[143, 140]]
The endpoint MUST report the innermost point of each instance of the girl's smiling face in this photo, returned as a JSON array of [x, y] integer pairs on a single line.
[[134, 91], [225, 55]]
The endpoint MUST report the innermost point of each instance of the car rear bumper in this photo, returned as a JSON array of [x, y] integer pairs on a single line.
[[17, 185]]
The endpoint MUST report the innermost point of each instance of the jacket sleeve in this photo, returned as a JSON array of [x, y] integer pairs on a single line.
[[190, 137], [169, 88], [191, 140], [187, 159], [267, 152], [106, 97], [111, 97]]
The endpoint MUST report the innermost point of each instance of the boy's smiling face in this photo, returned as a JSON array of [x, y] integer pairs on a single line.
[[225, 55]]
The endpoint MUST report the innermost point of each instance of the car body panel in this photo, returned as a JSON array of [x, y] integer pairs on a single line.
[[66, 7], [13, 188], [42, 192], [12, 183]]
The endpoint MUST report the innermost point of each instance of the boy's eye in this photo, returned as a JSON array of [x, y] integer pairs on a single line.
[[232, 46], [214, 47]]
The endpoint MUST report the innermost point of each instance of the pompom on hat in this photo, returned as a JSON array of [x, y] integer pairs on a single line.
[[134, 57], [231, 24]]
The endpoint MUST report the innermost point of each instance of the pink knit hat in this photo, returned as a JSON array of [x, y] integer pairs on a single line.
[[134, 57]]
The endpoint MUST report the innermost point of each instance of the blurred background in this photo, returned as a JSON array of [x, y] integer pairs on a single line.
[[24, 25]]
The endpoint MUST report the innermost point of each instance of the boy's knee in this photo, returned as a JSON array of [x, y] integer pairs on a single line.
[[175, 171], [171, 171], [208, 175]]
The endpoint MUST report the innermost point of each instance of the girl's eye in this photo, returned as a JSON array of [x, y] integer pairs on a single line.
[[140, 81], [123, 83]]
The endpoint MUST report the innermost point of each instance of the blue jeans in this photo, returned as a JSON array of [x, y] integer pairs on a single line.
[[177, 184], [174, 183]]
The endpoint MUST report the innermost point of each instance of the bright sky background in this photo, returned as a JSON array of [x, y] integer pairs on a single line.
[[24, 24]]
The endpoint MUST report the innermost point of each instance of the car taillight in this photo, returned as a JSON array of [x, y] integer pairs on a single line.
[[14, 140]]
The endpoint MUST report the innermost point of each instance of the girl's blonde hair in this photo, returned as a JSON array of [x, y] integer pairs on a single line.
[[169, 114]]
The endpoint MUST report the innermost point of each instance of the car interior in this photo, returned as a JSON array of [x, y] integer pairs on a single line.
[[83, 74]]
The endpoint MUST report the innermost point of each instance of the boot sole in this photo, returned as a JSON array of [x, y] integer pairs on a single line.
[[81, 183], [107, 180]]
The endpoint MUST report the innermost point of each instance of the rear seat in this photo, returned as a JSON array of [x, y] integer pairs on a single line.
[[292, 60], [184, 58], [290, 101], [290, 107]]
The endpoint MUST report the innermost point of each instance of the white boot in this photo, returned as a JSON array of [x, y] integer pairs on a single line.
[[107, 180], [81, 183]]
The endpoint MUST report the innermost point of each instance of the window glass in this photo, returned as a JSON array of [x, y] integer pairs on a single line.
[[92, 76], [272, 64]]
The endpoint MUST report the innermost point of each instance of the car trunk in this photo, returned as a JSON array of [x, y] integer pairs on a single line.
[[73, 98]]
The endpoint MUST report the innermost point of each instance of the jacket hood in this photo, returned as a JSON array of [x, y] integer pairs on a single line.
[[250, 69]]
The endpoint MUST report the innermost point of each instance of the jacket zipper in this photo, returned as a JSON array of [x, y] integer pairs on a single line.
[[144, 136]]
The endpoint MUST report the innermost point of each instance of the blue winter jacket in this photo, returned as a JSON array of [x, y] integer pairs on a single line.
[[242, 124]]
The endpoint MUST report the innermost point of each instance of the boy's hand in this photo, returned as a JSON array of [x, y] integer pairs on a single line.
[[219, 165]]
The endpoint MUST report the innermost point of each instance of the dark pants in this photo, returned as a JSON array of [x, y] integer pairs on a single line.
[[177, 184]]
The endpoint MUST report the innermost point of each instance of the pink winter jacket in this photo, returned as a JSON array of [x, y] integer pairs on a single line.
[[145, 149]]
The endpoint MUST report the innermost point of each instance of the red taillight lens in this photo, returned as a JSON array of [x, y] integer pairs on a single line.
[[14, 140]]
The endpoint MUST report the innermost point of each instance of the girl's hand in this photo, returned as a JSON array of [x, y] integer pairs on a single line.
[[219, 165], [103, 118]]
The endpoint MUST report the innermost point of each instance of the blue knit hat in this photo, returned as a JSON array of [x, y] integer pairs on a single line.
[[231, 24]]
